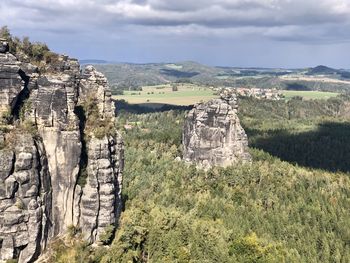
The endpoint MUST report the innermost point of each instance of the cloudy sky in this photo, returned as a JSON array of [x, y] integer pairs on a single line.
[[264, 33]]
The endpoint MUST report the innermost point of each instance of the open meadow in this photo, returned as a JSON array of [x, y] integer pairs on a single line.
[[288, 94], [189, 94], [186, 94]]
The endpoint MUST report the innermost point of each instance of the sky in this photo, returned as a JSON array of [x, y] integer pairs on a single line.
[[245, 33]]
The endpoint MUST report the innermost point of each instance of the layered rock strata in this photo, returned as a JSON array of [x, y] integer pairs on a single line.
[[213, 135], [54, 173]]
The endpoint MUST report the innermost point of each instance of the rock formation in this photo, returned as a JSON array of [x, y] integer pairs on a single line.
[[60, 162], [213, 135], [4, 46]]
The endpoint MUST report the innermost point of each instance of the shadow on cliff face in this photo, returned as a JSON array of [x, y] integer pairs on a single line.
[[326, 148], [22, 96], [122, 105]]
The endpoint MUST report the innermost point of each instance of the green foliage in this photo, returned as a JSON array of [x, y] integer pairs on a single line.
[[25, 109], [251, 249], [73, 231], [313, 133], [6, 116], [29, 127], [116, 91], [5, 33], [11, 133], [94, 123], [83, 175], [270, 211], [191, 72], [36, 53], [107, 235], [76, 251]]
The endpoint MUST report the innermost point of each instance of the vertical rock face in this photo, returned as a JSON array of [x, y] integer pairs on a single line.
[[25, 192], [94, 82], [51, 107], [54, 172], [100, 195], [11, 83], [213, 135]]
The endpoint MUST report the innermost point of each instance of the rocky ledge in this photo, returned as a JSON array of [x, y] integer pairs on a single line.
[[213, 135], [61, 160]]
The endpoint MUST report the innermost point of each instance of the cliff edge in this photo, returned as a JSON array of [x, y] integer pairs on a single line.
[[61, 159]]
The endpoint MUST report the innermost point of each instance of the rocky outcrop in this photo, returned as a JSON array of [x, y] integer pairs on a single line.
[[25, 194], [11, 82], [98, 198], [100, 194], [94, 82], [55, 172], [213, 135], [4, 46]]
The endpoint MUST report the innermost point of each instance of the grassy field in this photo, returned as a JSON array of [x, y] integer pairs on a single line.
[[309, 94], [187, 94]]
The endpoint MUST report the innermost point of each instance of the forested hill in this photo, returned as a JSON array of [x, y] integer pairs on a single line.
[[126, 76], [291, 205], [157, 73]]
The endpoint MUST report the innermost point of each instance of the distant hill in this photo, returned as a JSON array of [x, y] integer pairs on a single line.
[[125, 75], [128, 76], [322, 70], [132, 76], [92, 61]]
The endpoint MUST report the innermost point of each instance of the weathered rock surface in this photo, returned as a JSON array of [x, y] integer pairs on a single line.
[[94, 82], [4, 46], [25, 194], [213, 135], [11, 82], [51, 178], [98, 198]]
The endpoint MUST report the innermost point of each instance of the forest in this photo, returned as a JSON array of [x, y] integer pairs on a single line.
[[290, 205]]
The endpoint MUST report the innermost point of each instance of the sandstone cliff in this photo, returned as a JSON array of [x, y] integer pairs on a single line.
[[213, 135], [61, 159]]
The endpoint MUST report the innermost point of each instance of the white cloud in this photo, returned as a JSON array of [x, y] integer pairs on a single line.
[[289, 20]]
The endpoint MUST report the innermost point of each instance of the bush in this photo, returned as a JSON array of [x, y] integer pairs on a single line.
[[95, 124], [83, 175], [77, 251], [6, 116], [25, 109], [108, 234], [36, 53], [29, 127], [73, 231], [116, 91]]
